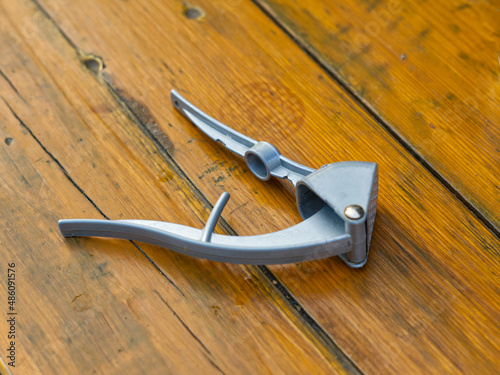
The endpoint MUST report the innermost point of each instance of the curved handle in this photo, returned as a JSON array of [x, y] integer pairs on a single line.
[[321, 236], [263, 159]]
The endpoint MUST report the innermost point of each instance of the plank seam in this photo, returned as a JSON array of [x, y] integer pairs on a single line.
[[12, 86], [54, 159], [73, 182], [189, 331], [346, 362], [309, 51]]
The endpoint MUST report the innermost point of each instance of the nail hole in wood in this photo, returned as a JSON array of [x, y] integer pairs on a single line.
[[193, 12], [92, 62]]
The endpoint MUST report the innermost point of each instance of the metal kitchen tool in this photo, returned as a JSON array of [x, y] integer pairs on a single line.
[[338, 203]]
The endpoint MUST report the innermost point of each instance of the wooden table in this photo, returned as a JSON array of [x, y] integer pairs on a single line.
[[87, 130]]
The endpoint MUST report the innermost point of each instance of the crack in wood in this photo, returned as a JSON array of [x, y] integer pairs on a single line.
[[12, 86], [207, 352]]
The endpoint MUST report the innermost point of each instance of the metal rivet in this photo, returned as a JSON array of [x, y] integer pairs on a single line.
[[354, 212]]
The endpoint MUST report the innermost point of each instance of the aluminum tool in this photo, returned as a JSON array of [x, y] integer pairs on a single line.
[[338, 203]]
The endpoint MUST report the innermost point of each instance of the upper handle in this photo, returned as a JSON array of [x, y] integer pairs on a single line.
[[263, 159]]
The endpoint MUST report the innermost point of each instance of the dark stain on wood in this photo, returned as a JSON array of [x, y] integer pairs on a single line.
[[168, 68], [423, 34], [102, 267], [455, 28], [218, 179], [464, 56], [74, 299], [146, 118], [463, 6]]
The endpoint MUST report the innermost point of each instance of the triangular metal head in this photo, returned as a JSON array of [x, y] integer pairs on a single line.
[[350, 189]]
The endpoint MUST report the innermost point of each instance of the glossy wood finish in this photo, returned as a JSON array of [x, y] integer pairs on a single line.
[[426, 302], [428, 71], [100, 306]]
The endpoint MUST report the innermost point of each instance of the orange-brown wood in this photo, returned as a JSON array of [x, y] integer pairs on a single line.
[[94, 306], [104, 306], [429, 70], [428, 299]]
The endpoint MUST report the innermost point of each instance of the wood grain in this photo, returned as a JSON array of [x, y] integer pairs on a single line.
[[100, 306], [428, 299], [429, 71]]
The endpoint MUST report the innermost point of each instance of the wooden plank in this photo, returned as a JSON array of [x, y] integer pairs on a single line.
[[78, 308], [409, 308], [100, 306], [429, 71]]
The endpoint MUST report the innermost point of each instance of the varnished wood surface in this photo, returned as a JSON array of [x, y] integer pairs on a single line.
[[428, 70], [426, 302], [109, 306]]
